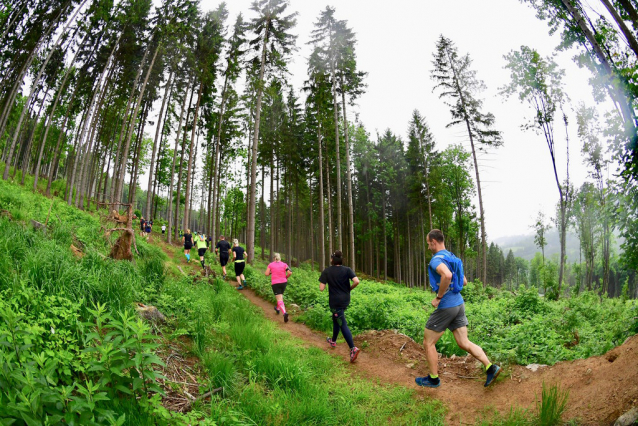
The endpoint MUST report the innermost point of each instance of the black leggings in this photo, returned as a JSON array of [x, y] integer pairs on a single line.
[[339, 323]]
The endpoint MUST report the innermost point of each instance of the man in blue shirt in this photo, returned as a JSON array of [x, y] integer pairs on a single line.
[[449, 314]]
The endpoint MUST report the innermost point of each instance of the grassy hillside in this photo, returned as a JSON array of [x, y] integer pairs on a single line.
[[73, 351]]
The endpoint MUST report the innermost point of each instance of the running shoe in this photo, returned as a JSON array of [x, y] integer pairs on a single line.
[[331, 342], [492, 374], [286, 317], [277, 310], [354, 353], [428, 381], [241, 287], [224, 276]]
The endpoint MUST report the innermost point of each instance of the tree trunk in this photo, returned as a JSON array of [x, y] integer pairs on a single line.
[[322, 224], [338, 155], [187, 198], [125, 151], [250, 243], [331, 248], [170, 188], [149, 194], [349, 180], [631, 40]]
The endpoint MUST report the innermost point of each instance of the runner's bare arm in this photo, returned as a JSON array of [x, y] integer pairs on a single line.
[[322, 286], [267, 272], [355, 282]]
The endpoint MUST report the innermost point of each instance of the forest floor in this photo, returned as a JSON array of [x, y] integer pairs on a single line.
[[600, 388]]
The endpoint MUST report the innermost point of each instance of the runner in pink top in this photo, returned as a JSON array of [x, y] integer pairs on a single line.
[[279, 273]]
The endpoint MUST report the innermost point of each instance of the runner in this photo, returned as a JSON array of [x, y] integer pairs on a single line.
[[240, 264], [338, 278], [163, 229], [279, 273], [449, 313], [142, 221], [201, 248], [187, 240], [147, 229], [222, 248]]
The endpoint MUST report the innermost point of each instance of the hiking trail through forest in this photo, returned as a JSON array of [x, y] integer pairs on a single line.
[[600, 388]]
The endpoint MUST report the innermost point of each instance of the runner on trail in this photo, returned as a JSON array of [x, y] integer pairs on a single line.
[[201, 247], [279, 273], [338, 278], [222, 248], [240, 264], [142, 223], [449, 313], [163, 229], [148, 227], [187, 240]]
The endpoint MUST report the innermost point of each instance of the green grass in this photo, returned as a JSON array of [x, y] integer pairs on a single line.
[[49, 298]]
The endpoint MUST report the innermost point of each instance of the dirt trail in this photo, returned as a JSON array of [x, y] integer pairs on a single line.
[[601, 388]]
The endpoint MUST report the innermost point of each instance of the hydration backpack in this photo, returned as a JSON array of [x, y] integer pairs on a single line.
[[455, 266]]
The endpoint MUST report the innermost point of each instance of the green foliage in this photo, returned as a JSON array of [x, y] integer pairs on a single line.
[[523, 328], [552, 405]]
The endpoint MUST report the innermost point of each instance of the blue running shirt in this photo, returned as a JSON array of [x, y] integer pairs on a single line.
[[450, 299]]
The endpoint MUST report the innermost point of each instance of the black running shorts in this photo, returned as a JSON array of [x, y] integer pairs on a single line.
[[223, 258], [279, 288], [188, 246], [239, 268], [201, 251]]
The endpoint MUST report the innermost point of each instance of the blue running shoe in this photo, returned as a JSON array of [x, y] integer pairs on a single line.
[[428, 382], [492, 374], [241, 287]]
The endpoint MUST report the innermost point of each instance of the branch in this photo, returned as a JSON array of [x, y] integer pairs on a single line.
[[206, 395]]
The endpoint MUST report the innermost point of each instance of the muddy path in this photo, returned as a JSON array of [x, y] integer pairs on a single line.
[[600, 388]]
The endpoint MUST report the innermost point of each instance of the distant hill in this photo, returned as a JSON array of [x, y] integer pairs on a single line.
[[523, 245]]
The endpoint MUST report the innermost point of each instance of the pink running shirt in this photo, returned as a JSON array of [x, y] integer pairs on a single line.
[[278, 272]]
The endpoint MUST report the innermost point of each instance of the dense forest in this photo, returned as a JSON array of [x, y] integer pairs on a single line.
[[236, 150]]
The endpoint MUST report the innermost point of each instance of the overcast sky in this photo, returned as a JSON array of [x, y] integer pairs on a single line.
[[395, 45]]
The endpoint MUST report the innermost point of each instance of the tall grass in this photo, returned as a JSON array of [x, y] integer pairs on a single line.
[[552, 405]]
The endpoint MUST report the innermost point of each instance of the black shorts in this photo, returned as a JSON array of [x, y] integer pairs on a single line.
[[223, 258], [163, 231], [279, 288], [201, 251], [239, 268], [188, 246]]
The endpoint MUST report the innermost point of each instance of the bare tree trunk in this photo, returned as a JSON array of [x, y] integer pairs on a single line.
[[329, 195], [170, 187], [631, 40], [322, 225], [338, 155], [349, 179], [149, 195], [125, 151], [190, 159], [5, 175], [250, 243]]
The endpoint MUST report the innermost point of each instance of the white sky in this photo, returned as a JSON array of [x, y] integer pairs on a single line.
[[395, 45]]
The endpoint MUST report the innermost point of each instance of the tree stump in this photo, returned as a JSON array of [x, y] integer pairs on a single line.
[[121, 250]]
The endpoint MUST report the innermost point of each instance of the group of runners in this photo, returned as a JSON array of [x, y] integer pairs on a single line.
[[146, 227], [222, 249], [446, 280]]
